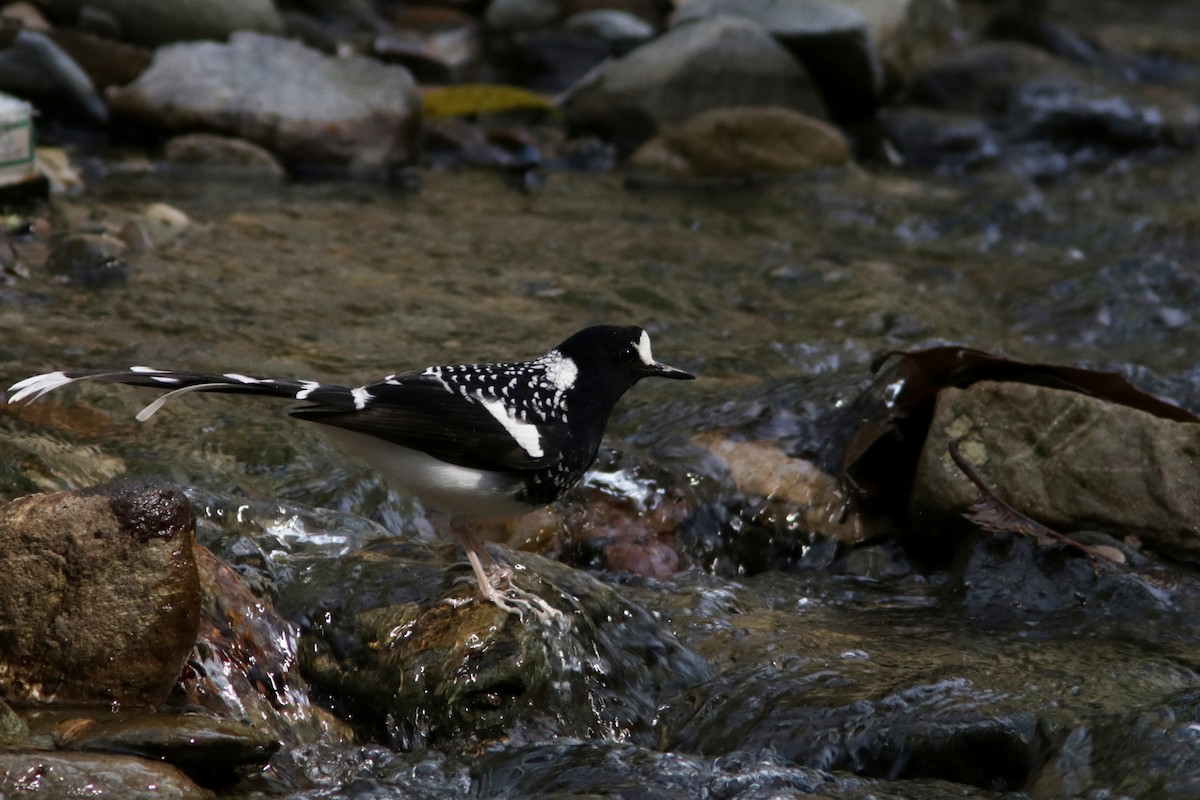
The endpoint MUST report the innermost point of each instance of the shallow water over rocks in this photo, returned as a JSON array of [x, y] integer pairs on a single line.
[[775, 660]]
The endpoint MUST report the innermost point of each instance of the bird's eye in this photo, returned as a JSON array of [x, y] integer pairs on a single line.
[[628, 355]]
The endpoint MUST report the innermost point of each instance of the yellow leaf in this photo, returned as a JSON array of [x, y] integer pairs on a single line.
[[481, 98]]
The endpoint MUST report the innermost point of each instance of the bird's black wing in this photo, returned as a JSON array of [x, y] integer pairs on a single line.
[[421, 412]]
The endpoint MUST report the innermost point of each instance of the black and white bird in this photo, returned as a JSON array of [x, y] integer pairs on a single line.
[[472, 440]]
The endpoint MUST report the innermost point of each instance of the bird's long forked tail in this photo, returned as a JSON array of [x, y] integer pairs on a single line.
[[178, 383]]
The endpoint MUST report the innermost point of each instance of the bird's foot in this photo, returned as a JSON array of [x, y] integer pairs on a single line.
[[500, 590], [496, 584]]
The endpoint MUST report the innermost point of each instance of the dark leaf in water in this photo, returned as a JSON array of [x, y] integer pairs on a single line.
[[993, 514]]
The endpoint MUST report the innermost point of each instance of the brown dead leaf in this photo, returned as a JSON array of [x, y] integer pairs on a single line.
[[993, 514], [892, 416]]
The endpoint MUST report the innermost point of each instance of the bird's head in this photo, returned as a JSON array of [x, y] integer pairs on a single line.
[[620, 354]]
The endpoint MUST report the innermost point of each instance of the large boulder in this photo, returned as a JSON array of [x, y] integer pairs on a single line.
[[829, 38], [307, 107], [1069, 460], [712, 63], [34, 68], [100, 598]]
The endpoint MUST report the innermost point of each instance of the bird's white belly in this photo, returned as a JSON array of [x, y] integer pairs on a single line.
[[458, 491]]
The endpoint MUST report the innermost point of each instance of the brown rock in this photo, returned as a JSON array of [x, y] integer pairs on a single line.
[[628, 537], [1066, 459], [244, 664], [222, 152], [746, 141], [743, 142], [49, 774], [760, 468], [101, 598]]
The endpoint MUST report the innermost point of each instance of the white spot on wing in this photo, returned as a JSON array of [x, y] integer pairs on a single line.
[[234, 376], [309, 388], [145, 370], [361, 397], [524, 433]]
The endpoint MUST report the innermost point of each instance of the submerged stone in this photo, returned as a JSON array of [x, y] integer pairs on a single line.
[[205, 747], [45, 773], [465, 672]]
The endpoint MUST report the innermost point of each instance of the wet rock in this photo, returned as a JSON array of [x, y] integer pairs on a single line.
[[106, 62], [552, 60], [243, 667], [207, 748], [34, 68], [881, 691], [1138, 754], [624, 535], [931, 138], [743, 142], [762, 469], [303, 105], [436, 56], [981, 78], [1002, 580], [13, 729], [711, 63], [149, 23], [38, 773], [222, 152], [611, 24], [1068, 460], [829, 38], [93, 261], [101, 599], [909, 34], [429, 673]]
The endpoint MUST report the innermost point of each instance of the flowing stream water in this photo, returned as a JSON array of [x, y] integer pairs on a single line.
[[777, 296]]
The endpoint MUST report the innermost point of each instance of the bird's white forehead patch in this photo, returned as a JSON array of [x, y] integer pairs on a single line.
[[643, 348], [525, 434]]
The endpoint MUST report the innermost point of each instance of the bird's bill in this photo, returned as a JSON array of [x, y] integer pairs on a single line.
[[658, 370]]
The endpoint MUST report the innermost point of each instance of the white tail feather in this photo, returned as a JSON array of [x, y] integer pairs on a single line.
[[152, 409], [33, 388]]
